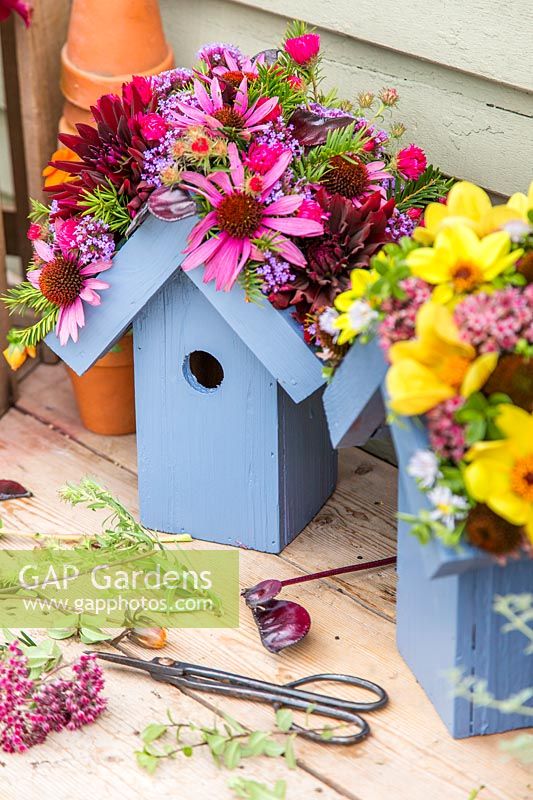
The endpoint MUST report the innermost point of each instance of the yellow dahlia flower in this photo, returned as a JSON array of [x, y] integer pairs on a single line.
[[435, 366], [460, 262], [356, 314], [500, 473], [522, 204], [469, 205]]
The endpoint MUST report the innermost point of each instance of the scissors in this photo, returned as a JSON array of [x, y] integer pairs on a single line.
[[288, 695]]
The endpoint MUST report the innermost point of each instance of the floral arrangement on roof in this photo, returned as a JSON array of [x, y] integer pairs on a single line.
[[294, 187], [452, 308]]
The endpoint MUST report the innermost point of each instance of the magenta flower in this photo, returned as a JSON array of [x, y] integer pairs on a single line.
[[34, 231], [302, 49], [411, 162], [262, 157], [216, 115], [67, 284], [24, 10], [238, 216], [233, 72], [153, 126]]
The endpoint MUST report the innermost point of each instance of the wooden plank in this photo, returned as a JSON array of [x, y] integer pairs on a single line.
[[473, 37], [357, 522], [271, 336], [351, 391], [408, 747], [139, 270], [465, 123]]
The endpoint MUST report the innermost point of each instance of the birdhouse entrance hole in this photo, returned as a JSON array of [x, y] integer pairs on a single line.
[[203, 371]]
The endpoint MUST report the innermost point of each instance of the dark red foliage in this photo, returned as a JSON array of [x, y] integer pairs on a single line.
[[311, 128], [111, 151], [171, 204], [351, 237], [281, 623]]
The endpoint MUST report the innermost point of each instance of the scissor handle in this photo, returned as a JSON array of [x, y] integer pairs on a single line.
[[350, 680]]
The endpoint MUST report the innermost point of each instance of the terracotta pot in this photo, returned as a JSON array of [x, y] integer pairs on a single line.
[[107, 43], [105, 393]]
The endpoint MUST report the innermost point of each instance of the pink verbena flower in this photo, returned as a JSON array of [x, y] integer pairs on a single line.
[[411, 162], [496, 321], [398, 324], [238, 216], [302, 49], [446, 436], [216, 115], [68, 285]]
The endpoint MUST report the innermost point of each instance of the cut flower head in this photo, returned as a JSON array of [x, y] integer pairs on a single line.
[[468, 205], [500, 473], [459, 262], [356, 314], [435, 366], [240, 217]]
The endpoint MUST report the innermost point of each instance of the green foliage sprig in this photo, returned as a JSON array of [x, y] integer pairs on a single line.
[[23, 297], [341, 141], [105, 203], [251, 283], [253, 790], [428, 188], [273, 82]]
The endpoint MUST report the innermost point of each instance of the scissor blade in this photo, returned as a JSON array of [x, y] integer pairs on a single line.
[[130, 661]]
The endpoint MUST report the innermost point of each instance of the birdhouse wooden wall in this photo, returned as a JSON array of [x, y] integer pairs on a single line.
[[224, 453], [445, 619]]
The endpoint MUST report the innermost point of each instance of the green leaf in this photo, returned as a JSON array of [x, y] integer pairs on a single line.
[[153, 732], [274, 749], [147, 761], [290, 756], [284, 719], [93, 635], [326, 734], [253, 790], [216, 743], [62, 633], [475, 431], [187, 751], [232, 754], [234, 725], [428, 188]]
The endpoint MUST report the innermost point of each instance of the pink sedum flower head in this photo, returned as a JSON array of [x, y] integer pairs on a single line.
[[216, 115], [302, 49], [64, 282], [238, 217], [411, 162]]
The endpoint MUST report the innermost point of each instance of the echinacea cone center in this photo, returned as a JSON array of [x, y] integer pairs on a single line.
[[346, 175], [240, 214], [229, 117], [522, 478], [60, 281], [466, 277], [235, 77]]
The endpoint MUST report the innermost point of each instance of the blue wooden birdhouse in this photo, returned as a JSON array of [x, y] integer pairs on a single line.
[[232, 439]]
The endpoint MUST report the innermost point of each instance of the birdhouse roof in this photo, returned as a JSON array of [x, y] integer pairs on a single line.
[[143, 265]]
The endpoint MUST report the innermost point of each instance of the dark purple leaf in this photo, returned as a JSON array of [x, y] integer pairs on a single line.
[[9, 490], [171, 204], [311, 128], [270, 56], [259, 594], [281, 623]]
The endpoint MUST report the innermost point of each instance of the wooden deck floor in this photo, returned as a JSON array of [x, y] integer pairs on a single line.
[[410, 755]]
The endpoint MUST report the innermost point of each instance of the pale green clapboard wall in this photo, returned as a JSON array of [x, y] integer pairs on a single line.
[[464, 68]]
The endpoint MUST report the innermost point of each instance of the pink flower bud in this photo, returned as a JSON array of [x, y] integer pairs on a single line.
[[34, 232], [389, 97], [295, 82], [153, 127], [302, 49], [310, 209], [411, 162]]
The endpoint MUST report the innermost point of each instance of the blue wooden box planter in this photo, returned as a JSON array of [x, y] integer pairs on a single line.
[[353, 403], [232, 439], [445, 618]]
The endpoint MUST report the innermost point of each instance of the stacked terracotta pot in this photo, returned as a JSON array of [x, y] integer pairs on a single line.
[[108, 41]]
